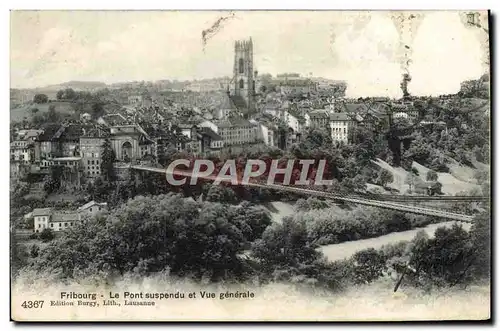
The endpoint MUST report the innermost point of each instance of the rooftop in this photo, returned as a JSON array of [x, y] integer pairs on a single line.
[[41, 212], [91, 204], [68, 158], [340, 117], [65, 217], [211, 133], [48, 132], [319, 113], [235, 122]]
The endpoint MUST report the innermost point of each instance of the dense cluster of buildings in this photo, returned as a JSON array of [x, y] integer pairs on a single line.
[[203, 118]]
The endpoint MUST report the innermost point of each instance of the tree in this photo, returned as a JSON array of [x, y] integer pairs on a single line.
[[107, 163], [53, 182], [410, 181], [221, 193], [431, 176], [150, 234], [18, 254], [285, 245], [34, 110], [368, 266], [52, 115], [385, 177], [480, 233], [66, 94], [97, 109], [40, 98], [446, 258]]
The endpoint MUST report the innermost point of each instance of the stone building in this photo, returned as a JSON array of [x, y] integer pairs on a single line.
[[237, 131], [243, 72], [91, 146]]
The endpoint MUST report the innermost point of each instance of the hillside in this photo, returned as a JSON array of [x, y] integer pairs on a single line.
[[17, 114], [76, 85], [461, 178]]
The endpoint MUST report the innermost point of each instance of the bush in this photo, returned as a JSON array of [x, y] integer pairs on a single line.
[[34, 251], [310, 204], [368, 266], [432, 176], [47, 235], [444, 259]]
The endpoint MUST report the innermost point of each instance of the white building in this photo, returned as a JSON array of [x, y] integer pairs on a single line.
[[340, 126], [264, 133], [22, 150], [291, 121], [308, 120], [46, 218], [400, 115], [92, 208], [42, 218], [284, 115]]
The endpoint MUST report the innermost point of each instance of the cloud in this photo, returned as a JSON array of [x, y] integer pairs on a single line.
[[445, 53]]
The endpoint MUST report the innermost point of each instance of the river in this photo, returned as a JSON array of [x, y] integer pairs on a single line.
[[344, 250]]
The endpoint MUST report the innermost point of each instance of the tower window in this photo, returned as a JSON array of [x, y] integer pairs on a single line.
[[241, 66], [242, 83]]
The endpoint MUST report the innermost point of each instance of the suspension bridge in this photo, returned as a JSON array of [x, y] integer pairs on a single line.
[[378, 201]]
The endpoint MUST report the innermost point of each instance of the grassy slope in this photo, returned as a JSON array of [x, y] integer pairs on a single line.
[[451, 184], [17, 114]]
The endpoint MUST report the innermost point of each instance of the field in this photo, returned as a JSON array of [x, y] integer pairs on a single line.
[[17, 114]]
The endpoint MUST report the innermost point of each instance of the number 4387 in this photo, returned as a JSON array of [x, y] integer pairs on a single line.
[[32, 304]]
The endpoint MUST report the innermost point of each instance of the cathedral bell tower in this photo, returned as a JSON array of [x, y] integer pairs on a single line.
[[244, 80]]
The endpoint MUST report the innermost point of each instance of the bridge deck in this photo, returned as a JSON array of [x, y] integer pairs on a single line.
[[385, 204]]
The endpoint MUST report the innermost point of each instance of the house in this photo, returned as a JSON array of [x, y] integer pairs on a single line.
[[22, 151], [41, 218], [341, 125], [284, 115], [134, 99], [237, 131], [63, 221], [46, 218], [266, 132], [92, 208], [85, 117], [215, 141], [209, 124], [229, 106], [319, 118], [48, 149], [91, 151]]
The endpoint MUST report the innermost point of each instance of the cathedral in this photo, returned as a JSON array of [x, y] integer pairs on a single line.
[[240, 98], [244, 75]]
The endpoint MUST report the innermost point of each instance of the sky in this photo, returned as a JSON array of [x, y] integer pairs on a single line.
[[366, 49]]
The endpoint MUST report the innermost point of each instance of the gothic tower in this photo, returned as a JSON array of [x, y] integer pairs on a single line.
[[244, 80]]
